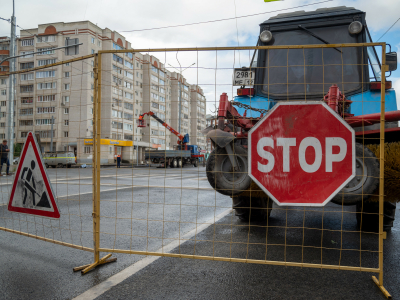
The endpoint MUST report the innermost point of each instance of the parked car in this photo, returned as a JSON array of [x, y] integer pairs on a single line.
[[59, 159]]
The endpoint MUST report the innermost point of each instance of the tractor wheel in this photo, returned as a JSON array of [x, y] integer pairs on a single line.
[[174, 163], [252, 208], [196, 163], [366, 181], [47, 166], [221, 175], [60, 165], [180, 164], [370, 215]]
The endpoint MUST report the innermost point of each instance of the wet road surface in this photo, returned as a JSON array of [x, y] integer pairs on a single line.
[[140, 210]]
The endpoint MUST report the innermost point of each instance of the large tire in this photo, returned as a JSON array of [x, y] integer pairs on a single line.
[[196, 163], [252, 208], [180, 163], [47, 166], [174, 163], [366, 181], [370, 215], [220, 175]]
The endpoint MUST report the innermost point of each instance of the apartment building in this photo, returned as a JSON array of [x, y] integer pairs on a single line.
[[198, 116], [57, 102]]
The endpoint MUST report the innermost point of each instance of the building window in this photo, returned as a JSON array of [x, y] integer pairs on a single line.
[[116, 125], [24, 134], [73, 50], [45, 110], [26, 123], [128, 117], [66, 122], [28, 65], [65, 133], [67, 64], [66, 99], [66, 86], [128, 64], [46, 98], [46, 39], [117, 91], [118, 59], [45, 74], [128, 85], [93, 51], [129, 75], [93, 40], [66, 74], [2, 81], [87, 150], [26, 111], [45, 51], [27, 42], [117, 80], [26, 100], [26, 88], [99, 43], [46, 133], [116, 114], [46, 85], [128, 127], [26, 54], [128, 105], [128, 95], [43, 62], [45, 121], [66, 111], [3, 103], [117, 69], [4, 92]]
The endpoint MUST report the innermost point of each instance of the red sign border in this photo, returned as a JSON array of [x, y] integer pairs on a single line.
[[55, 214], [337, 117]]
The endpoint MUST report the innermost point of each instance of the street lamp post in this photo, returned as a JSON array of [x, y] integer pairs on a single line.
[[10, 122]]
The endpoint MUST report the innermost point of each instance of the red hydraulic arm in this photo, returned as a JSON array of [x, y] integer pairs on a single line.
[[150, 113]]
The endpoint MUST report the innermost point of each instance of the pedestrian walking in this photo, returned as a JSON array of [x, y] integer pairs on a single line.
[[4, 157], [118, 161]]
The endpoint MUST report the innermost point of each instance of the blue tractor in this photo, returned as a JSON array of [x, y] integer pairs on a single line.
[[353, 74]]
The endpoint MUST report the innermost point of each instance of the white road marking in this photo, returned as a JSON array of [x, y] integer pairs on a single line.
[[103, 287]]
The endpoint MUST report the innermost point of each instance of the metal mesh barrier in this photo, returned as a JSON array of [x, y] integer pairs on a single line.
[[167, 139], [56, 99], [164, 203]]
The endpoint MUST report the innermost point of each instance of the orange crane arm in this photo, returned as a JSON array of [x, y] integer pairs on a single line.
[[150, 113]]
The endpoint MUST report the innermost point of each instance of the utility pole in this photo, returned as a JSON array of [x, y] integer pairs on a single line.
[[180, 102], [10, 123]]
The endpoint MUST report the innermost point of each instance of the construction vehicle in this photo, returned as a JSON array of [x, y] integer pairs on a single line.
[[182, 153], [358, 103]]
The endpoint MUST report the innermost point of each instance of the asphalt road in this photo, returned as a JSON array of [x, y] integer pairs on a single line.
[[146, 209]]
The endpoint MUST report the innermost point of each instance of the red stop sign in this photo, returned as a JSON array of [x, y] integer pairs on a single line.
[[301, 153]]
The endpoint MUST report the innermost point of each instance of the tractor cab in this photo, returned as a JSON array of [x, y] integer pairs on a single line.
[[307, 74]]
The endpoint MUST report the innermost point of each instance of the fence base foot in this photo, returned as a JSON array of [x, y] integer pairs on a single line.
[[383, 290], [88, 267]]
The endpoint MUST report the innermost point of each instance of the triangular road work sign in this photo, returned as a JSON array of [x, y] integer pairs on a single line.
[[31, 191]]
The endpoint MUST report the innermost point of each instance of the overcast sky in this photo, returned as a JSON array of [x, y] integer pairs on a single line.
[[125, 15]]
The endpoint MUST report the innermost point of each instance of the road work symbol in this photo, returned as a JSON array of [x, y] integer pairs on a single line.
[[31, 192]]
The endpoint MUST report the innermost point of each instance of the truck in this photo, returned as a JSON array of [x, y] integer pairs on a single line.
[[181, 155], [261, 88]]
